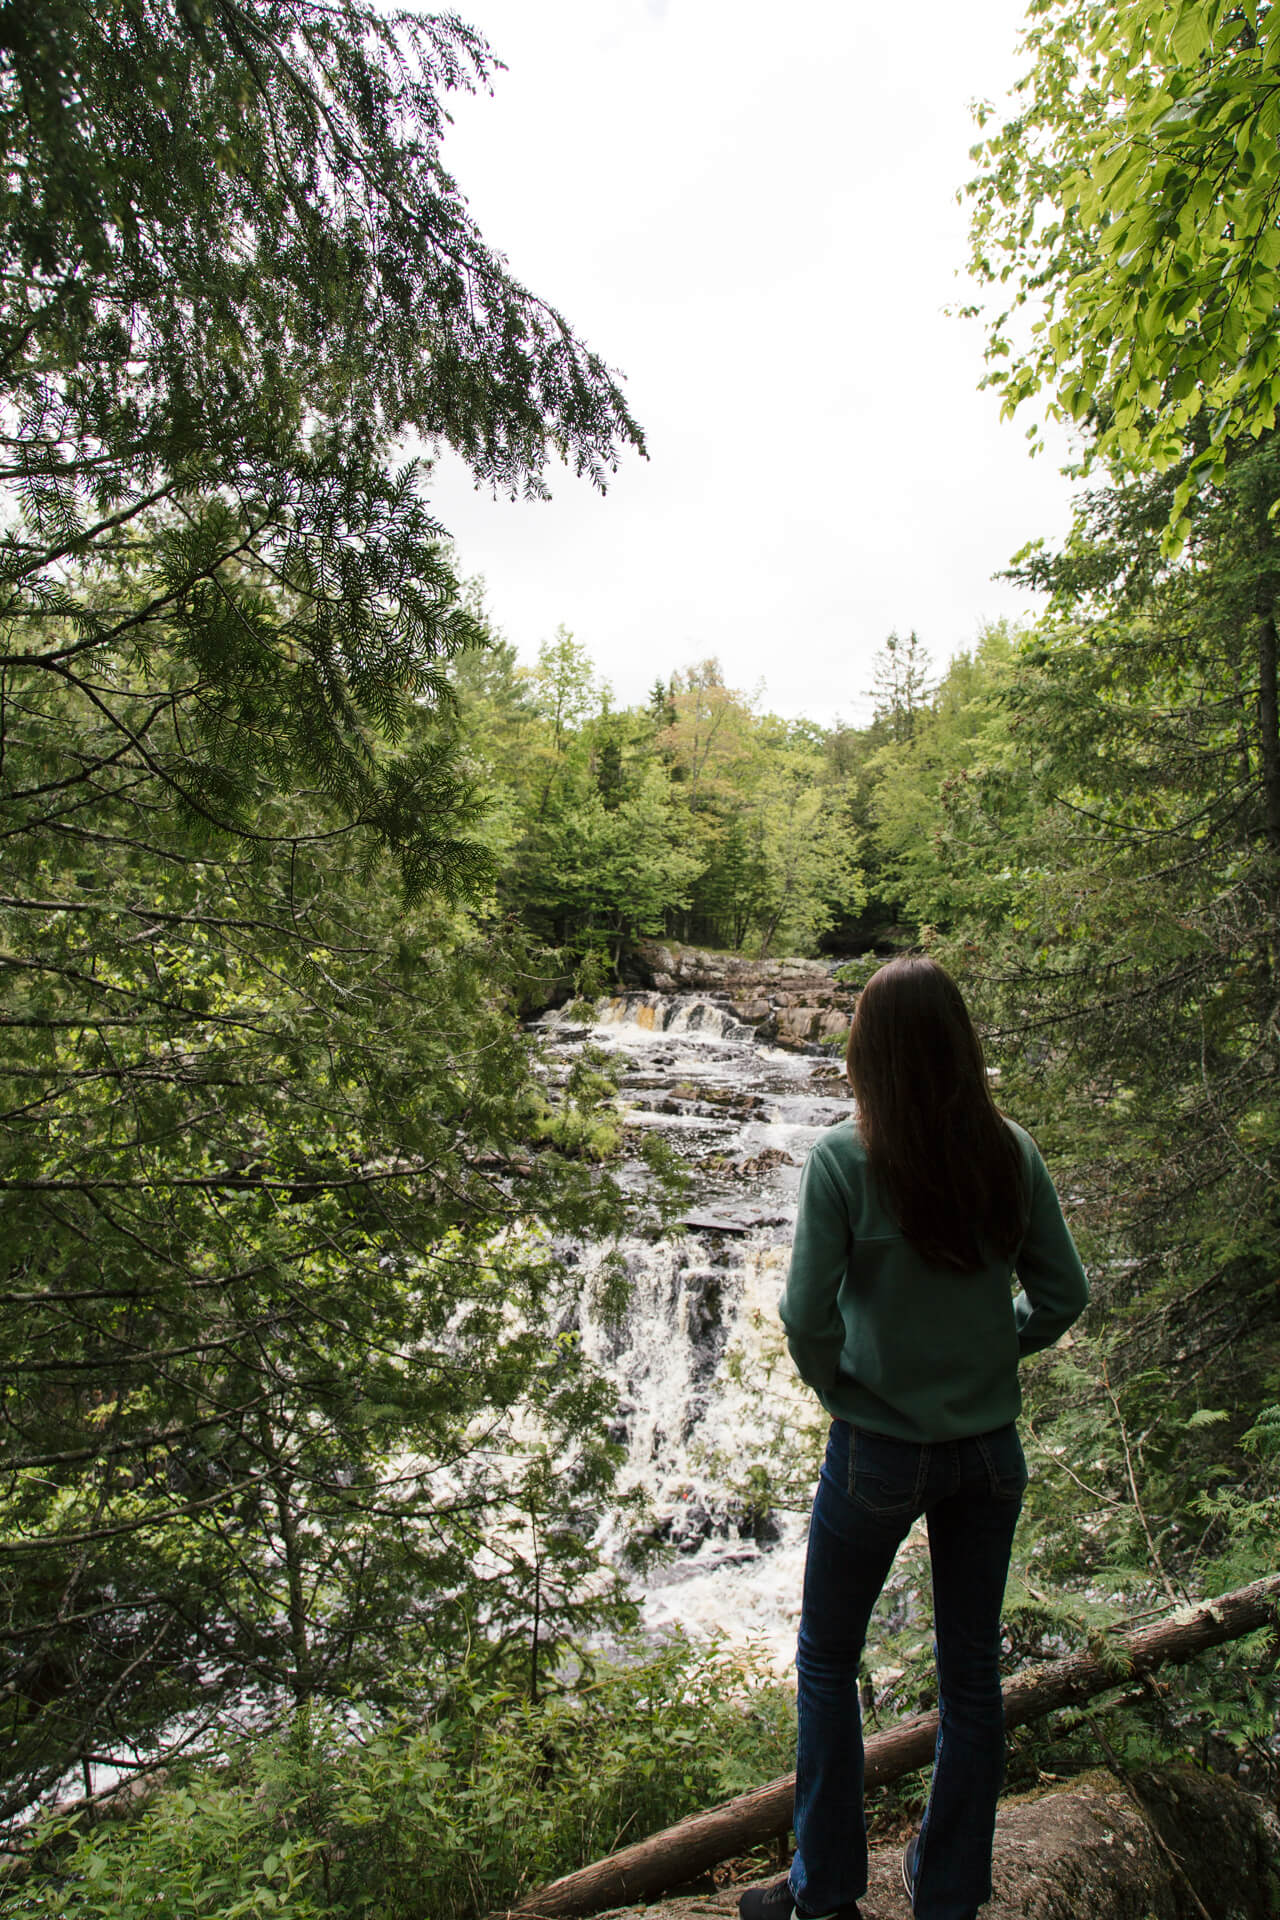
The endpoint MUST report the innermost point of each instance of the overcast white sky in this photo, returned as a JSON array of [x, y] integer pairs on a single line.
[[752, 214]]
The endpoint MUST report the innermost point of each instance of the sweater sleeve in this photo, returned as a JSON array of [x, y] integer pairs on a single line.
[[1054, 1290], [809, 1307]]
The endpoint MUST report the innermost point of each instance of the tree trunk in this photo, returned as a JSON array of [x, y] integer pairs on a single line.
[[299, 1637], [1269, 724], [683, 1852]]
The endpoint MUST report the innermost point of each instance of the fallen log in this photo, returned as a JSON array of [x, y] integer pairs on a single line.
[[700, 1842]]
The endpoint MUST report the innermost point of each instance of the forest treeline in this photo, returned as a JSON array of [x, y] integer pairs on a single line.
[[696, 816], [701, 816], [303, 1479]]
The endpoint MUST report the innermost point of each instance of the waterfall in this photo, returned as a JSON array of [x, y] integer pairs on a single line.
[[697, 1355]]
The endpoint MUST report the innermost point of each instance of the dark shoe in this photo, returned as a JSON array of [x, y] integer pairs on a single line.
[[909, 1853], [767, 1903], [776, 1903]]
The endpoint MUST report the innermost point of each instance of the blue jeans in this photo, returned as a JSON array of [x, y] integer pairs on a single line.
[[870, 1490]]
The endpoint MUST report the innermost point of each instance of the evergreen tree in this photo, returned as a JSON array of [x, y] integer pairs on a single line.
[[923, 785], [271, 1301], [901, 683]]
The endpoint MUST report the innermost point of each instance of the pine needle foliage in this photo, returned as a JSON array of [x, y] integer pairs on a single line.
[[228, 224], [278, 1383]]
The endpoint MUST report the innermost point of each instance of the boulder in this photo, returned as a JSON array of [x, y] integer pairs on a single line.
[[796, 1024]]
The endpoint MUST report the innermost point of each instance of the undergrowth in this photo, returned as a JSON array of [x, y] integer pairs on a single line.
[[449, 1815]]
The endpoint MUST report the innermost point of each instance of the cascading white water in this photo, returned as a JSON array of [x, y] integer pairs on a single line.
[[698, 1355]]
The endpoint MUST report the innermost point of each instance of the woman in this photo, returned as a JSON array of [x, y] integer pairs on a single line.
[[901, 1315]]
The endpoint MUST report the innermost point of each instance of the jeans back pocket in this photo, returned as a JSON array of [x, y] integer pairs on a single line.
[[1005, 1462], [884, 1474]]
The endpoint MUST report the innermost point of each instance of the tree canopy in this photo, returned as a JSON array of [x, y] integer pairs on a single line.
[[1129, 214], [693, 815], [235, 266], [240, 207]]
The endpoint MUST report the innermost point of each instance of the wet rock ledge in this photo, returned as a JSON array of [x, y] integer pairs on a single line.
[[794, 1003]]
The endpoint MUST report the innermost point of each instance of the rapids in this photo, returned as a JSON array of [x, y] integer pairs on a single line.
[[705, 1384]]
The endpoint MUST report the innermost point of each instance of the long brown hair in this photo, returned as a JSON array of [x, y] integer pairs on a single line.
[[942, 1156]]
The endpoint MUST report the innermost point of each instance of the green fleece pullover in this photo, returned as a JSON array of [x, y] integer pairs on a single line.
[[891, 1343]]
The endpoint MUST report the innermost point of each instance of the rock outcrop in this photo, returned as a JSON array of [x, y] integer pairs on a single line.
[[794, 1003], [1174, 1844]]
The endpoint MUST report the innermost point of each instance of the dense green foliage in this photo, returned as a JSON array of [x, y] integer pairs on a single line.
[[451, 1817], [693, 816], [280, 1391], [1128, 212]]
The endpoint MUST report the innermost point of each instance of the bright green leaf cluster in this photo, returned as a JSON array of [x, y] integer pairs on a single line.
[[1130, 214]]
